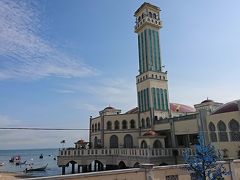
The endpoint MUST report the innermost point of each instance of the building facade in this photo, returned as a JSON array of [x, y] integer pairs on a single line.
[[156, 131]]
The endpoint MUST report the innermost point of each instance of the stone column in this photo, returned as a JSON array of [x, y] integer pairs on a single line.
[[63, 170], [73, 168]]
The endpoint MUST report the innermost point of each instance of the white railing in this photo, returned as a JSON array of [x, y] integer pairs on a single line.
[[123, 152]]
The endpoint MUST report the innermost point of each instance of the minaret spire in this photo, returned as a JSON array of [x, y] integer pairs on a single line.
[[152, 87]]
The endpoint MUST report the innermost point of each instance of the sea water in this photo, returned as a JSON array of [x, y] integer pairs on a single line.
[[31, 156]]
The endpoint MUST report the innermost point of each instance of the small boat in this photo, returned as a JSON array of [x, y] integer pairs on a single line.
[[41, 156], [1, 163], [43, 168], [20, 163], [15, 159]]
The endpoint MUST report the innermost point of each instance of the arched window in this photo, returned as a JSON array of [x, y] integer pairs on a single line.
[[223, 136], [142, 15], [150, 14], [98, 127], [128, 141], [234, 130], [113, 141], [92, 127], [148, 122], [109, 125], [95, 129], [139, 18], [143, 123], [124, 124], [154, 16], [95, 142], [213, 135], [132, 124], [116, 125], [157, 144], [143, 144]]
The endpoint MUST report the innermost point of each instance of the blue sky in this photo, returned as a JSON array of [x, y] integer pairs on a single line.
[[63, 61]]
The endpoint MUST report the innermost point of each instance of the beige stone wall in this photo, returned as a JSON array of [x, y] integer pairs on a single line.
[[186, 127], [232, 146], [157, 173]]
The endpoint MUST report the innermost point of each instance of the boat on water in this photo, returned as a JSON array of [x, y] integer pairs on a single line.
[[15, 159], [41, 156], [20, 163], [1, 163], [43, 168]]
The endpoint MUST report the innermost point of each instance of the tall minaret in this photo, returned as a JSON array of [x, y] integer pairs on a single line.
[[152, 85]]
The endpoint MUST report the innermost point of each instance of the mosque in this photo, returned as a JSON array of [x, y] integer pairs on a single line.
[[157, 130]]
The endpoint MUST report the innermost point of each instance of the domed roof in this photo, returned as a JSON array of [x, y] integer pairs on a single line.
[[206, 101], [228, 107], [109, 107], [132, 111], [181, 108], [150, 133]]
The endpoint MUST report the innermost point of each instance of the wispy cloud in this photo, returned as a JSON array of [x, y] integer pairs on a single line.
[[25, 53]]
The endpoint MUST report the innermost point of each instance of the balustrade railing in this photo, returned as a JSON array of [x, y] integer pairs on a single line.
[[123, 152]]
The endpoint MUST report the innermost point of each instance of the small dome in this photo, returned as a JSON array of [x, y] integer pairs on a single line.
[[228, 107], [109, 107], [132, 111], [181, 108], [80, 142], [150, 133], [206, 101]]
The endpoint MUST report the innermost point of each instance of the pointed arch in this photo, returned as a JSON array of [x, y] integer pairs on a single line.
[[143, 144], [212, 129], [234, 130], [157, 144], [116, 125], [132, 124], [109, 125], [223, 136], [128, 141], [113, 141], [124, 124]]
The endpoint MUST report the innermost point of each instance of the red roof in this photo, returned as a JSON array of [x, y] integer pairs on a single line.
[[228, 107], [150, 133], [181, 108], [175, 107]]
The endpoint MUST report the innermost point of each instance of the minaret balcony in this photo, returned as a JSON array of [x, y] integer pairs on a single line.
[[150, 21]]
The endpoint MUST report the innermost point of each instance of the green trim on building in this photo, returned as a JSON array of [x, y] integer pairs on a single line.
[[151, 50], [148, 99], [155, 51], [154, 98], [145, 99], [158, 99], [162, 99], [146, 49], [166, 99], [158, 53], [139, 102], [139, 54], [142, 51]]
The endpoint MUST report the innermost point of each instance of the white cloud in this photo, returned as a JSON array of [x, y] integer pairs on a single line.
[[25, 53]]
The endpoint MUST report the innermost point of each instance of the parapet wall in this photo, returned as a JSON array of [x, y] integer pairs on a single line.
[[147, 173]]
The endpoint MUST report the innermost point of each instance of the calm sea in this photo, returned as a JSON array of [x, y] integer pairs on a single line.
[[31, 156]]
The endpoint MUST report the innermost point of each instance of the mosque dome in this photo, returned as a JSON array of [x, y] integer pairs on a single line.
[[150, 133], [181, 108], [109, 108], [207, 101], [228, 107]]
